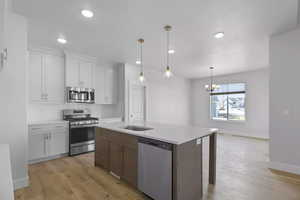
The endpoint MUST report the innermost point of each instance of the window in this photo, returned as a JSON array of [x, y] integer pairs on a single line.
[[228, 102]]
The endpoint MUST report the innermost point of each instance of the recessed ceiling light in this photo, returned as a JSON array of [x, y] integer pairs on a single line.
[[219, 35], [138, 62], [61, 40], [171, 51], [87, 13]]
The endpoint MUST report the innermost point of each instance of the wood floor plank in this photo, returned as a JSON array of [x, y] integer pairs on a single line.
[[242, 174]]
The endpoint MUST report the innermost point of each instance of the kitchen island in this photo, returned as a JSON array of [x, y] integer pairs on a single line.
[[163, 161]]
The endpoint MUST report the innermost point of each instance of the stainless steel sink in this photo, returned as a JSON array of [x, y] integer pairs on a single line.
[[137, 128]]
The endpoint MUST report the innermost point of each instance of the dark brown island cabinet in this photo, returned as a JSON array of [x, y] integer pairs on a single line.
[[117, 153]]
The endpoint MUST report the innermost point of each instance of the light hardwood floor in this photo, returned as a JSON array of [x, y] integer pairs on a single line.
[[242, 174]]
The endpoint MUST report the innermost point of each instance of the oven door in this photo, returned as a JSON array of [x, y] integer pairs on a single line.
[[82, 140]]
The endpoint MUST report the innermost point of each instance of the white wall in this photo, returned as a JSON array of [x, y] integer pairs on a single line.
[[13, 106], [167, 99], [284, 101], [257, 104]]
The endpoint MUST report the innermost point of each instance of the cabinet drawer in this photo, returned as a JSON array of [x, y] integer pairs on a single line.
[[38, 130]]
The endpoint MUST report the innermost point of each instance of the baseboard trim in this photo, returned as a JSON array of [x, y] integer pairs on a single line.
[[244, 135], [21, 183], [294, 169], [47, 158]]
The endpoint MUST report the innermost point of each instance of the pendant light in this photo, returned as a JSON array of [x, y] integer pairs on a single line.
[[168, 72], [211, 87], [140, 60]]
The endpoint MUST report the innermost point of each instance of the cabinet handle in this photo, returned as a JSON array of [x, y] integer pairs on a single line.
[[60, 127], [3, 57]]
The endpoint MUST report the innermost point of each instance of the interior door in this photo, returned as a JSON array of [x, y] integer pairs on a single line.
[[54, 67], [137, 102], [35, 76]]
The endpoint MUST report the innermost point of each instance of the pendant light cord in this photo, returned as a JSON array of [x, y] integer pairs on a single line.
[[168, 47], [142, 66]]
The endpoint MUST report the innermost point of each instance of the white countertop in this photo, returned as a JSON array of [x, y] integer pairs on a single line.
[[33, 123], [6, 183], [174, 134]]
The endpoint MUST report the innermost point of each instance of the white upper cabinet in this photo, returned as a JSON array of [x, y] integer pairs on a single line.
[[2, 15], [80, 71], [3, 19], [106, 85], [54, 79], [36, 90], [46, 77], [72, 73], [86, 74]]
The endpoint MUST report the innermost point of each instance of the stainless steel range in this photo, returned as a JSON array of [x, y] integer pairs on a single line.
[[82, 130]]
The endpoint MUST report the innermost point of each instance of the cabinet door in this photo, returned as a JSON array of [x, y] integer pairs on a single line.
[[72, 72], [54, 79], [2, 16], [116, 158], [106, 85], [37, 146], [59, 142], [110, 85], [99, 85], [36, 76], [86, 75], [130, 165], [102, 152]]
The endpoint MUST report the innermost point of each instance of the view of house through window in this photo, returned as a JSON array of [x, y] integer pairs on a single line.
[[228, 102]]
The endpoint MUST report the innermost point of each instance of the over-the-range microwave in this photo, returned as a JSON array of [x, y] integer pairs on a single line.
[[80, 95]]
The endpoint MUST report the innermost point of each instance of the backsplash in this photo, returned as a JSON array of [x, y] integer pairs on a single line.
[[44, 112]]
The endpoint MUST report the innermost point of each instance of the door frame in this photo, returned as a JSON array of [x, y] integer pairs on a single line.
[[137, 83]]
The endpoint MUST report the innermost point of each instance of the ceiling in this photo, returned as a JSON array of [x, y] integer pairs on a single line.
[[111, 35]]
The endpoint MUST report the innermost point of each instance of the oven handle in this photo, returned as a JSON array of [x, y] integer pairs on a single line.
[[83, 126]]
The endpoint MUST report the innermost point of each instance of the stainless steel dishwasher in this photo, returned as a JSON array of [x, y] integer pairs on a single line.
[[155, 169]]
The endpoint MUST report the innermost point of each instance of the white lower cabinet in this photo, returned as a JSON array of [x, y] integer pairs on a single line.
[[37, 146], [47, 141], [58, 143]]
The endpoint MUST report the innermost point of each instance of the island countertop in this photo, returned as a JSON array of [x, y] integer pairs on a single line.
[[174, 134]]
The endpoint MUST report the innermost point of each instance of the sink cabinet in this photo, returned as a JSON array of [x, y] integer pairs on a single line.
[[117, 153]]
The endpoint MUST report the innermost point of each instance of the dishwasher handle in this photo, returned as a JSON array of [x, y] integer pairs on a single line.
[[156, 143]]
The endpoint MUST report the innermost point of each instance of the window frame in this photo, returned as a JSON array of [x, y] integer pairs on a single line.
[[229, 93]]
